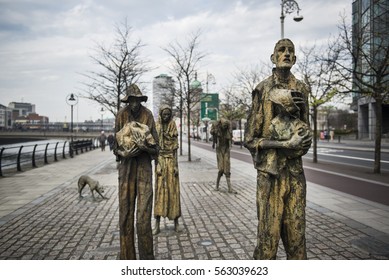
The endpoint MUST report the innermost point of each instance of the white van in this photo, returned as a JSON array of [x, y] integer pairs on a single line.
[[236, 136]]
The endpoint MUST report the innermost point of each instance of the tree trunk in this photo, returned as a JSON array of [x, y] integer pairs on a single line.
[[188, 122], [378, 135], [314, 157], [181, 122]]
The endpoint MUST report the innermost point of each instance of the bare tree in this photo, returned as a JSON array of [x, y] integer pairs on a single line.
[[238, 94], [237, 101], [235, 104], [317, 68], [185, 62], [363, 52], [119, 66]]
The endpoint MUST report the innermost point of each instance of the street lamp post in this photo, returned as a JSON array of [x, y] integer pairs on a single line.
[[71, 100], [287, 7], [210, 79], [102, 111]]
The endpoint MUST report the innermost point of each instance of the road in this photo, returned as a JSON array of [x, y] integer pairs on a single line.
[[357, 158], [344, 169]]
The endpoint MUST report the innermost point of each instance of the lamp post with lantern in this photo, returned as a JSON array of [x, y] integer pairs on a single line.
[[71, 100], [102, 112], [288, 7]]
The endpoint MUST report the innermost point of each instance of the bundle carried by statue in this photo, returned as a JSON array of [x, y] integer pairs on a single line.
[[129, 137], [287, 123]]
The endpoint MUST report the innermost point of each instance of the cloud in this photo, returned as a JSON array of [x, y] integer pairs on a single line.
[[45, 44]]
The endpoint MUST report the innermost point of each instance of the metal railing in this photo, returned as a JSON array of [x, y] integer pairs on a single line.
[[29, 156]]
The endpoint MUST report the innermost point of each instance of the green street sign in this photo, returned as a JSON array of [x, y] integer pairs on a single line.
[[209, 106]]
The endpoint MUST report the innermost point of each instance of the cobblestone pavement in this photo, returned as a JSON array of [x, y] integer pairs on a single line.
[[214, 225]]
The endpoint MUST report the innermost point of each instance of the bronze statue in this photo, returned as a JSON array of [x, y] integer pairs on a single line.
[[222, 139], [94, 186], [167, 185], [277, 134], [135, 174]]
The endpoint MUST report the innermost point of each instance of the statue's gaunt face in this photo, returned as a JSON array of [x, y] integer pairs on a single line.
[[284, 56], [166, 115], [134, 104]]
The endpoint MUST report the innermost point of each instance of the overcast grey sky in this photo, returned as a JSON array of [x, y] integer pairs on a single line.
[[46, 44]]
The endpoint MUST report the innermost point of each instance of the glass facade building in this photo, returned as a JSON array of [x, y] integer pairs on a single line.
[[370, 27]]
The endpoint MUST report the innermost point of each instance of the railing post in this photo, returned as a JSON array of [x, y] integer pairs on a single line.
[[46, 161], [71, 151], [75, 147], [63, 150], [33, 156], [1, 156], [55, 152], [19, 168]]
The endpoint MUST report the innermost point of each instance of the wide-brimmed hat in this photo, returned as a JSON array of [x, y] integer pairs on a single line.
[[133, 92]]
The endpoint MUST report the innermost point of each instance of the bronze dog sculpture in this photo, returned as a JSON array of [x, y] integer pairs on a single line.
[[94, 186]]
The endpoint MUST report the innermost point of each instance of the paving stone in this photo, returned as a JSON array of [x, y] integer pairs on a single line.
[[215, 225]]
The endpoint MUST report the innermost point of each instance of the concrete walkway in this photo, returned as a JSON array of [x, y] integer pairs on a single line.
[[41, 216]]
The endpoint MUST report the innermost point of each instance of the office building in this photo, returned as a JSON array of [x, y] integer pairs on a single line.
[[163, 93], [371, 23]]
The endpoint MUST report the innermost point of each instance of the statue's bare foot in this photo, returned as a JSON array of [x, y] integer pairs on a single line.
[[156, 228], [176, 226], [156, 231]]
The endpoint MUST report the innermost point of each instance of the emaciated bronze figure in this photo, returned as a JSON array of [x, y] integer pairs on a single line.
[[222, 139], [277, 134], [167, 184], [135, 175]]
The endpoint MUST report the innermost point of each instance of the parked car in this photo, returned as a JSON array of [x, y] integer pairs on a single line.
[[237, 136]]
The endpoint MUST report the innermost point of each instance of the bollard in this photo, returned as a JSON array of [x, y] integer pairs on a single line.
[[339, 139]]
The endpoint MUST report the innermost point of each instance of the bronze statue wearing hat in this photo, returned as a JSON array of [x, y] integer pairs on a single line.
[[135, 177], [133, 91]]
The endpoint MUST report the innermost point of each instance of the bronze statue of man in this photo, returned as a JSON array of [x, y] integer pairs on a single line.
[[135, 177], [222, 139], [167, 185], [277, 135]]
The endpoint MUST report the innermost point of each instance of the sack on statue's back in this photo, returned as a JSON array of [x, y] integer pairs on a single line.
[[128, 137]]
